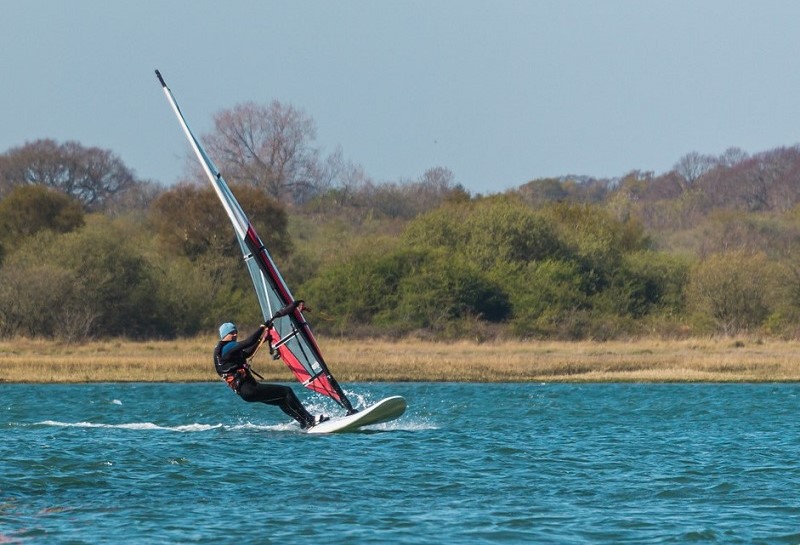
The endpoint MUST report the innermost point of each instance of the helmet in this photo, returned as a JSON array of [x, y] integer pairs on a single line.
[[226, 329]]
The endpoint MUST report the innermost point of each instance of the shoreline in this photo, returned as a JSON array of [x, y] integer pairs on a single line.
[[654, 360]]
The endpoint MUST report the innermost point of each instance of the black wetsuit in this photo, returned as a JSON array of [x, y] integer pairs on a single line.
[[230, 361]]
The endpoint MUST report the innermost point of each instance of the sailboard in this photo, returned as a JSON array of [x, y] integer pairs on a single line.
[[289, 335], [382, 411]]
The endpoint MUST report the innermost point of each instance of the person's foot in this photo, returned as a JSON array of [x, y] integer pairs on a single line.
[[319, 419]]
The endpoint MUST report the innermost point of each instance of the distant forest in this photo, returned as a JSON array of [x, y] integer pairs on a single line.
[[88, 250]]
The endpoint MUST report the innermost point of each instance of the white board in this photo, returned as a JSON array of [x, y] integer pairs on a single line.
[[382, 411]]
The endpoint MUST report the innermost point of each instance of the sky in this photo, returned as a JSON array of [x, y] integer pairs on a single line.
[[500, 92]]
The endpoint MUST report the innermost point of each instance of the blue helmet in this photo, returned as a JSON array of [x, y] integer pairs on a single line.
[[226, 329]]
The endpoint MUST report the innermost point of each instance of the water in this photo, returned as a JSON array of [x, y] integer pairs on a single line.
[[467, 464]]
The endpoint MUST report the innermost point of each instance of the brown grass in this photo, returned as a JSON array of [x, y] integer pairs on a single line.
[[647, 360]]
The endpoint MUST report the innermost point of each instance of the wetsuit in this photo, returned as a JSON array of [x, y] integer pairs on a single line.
[[230, 361]]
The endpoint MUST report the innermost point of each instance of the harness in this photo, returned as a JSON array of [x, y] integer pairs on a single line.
[[235, 378], [234, 373], [238, 376]]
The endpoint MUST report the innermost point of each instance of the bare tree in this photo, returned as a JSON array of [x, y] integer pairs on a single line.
[[269, 147], [438, 179], [408, 199], [731, 157], [91, 175], [692, 166], [342, 181], [768, 181]]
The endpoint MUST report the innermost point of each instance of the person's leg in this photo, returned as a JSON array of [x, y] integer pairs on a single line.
[[276, 394]]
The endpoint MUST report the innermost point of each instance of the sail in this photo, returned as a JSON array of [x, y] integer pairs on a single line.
[[290, 336]]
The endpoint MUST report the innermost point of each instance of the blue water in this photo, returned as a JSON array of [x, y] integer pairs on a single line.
[[467, 464]]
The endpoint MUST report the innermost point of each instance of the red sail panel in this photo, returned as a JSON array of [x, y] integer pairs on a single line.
[[320, 383]]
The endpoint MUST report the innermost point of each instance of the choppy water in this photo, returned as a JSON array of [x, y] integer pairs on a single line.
[[468, 463]]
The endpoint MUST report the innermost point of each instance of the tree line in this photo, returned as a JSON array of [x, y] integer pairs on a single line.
[[87, 250]]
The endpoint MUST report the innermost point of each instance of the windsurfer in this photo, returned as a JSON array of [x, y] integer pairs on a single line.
[[230, 361]]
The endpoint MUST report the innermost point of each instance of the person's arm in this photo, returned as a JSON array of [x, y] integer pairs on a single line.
[[249, 345]]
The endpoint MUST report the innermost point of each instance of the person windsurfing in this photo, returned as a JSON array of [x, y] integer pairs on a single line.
[[230, 362]]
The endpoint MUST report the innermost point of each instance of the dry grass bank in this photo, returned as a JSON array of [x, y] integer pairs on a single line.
[[186, 360]]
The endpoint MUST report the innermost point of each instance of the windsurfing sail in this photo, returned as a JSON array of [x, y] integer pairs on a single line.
[[289, 334]]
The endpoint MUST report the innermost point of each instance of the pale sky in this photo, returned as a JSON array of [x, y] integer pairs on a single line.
[[500, 92]]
